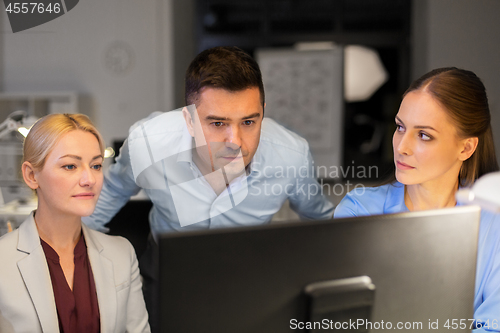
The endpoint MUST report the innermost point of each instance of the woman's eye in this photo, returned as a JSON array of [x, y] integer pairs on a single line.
[[400, 128], [425, 137], [97, 167], [69, 167]]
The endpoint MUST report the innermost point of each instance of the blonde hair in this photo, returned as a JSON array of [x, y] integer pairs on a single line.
[[47, 131]]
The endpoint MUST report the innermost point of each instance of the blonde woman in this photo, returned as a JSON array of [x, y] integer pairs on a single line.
[[56, 274]]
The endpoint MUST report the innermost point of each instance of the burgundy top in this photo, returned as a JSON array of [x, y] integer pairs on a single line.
[[77, 310]]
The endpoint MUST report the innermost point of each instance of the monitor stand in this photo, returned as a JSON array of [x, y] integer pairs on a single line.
[[340, 304]]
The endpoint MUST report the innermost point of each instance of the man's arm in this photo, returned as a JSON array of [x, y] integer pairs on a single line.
[[307, 199], [119, 185]]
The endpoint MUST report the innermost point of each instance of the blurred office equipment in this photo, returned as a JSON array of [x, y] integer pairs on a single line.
[[485, 192], [12, 131], [421, 264], [15, 212], [15, 198], [364, 73], [17, 121], [304, 92], [18, 112], [38, 104]]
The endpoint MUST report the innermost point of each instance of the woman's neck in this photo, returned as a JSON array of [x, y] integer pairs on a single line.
[[431, 195], [61, 232]]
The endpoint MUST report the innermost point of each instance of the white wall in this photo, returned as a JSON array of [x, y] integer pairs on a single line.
[[68, 54], [460, 33]]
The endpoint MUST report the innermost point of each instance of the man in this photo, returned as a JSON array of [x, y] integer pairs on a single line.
[[216, 163]]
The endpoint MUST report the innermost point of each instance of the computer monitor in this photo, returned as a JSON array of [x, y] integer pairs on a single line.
[[410, 271]]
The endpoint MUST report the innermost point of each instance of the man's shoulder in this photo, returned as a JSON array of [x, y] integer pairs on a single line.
[[160, 122], [158, 129], [276, 136]]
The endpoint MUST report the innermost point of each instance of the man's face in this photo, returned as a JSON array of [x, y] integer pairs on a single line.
[[226, 129]]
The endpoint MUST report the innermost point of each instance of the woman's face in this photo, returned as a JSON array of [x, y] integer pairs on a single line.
[[426, 145], [71, 179]]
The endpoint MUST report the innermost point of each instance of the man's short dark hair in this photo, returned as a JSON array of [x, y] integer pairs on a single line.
[[228, 68]]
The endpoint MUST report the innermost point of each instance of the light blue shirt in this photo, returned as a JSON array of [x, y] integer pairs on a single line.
[[389, 199], [157, 157]]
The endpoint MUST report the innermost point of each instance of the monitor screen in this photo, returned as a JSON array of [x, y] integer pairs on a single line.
[[410, 271]]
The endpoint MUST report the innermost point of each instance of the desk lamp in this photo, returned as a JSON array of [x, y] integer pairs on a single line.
[[485, 193], [17, 121]]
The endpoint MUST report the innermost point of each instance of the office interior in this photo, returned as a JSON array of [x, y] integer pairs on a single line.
[[119, 61]]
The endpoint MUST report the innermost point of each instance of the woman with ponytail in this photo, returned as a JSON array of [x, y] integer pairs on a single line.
[[443, 141]]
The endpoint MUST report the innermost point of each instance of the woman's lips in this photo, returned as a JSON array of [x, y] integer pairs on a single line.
[[403, 166], [87, 195]]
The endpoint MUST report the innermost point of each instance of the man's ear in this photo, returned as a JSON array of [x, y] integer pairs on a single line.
[[29, 175], [469, 146], [189, 120]]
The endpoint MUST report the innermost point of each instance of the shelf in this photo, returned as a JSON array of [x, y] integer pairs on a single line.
[[38, 104]]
